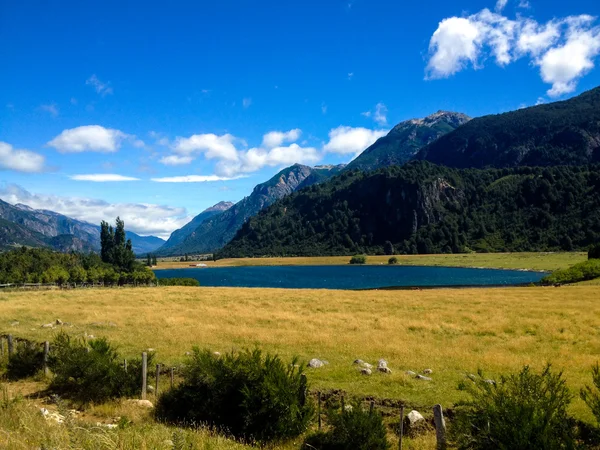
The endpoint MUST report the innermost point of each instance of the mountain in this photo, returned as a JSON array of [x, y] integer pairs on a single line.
[[424, 208], [215, 232], [561, 133], [178, 236], [40, 228], [406, 139]]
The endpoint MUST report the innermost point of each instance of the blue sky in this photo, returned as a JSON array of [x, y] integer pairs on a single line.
[[235, 90]]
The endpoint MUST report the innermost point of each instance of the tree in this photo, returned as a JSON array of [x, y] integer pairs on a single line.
[[154, 260], [115, 249], [388, 248], [149, 260], [107, 242], [594, 252]]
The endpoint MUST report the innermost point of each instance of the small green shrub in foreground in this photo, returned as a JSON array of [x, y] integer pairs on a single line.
[[358, 259], [393, 260], [352, 429], [587, 270], [26, 361], [515, 412], [178, 282], [254, 398], [91, 371]]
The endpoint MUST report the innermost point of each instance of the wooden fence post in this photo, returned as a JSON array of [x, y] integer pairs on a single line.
[[11, 347], [172, 377], [144, 374], [401, 426], [440, 427], [46, 354], [1, 346], [319, 409], [157, 377]]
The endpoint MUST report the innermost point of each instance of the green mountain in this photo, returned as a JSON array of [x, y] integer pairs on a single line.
[[561, 133], [424, 208], [405, 140], [213, 233], [178, 236]]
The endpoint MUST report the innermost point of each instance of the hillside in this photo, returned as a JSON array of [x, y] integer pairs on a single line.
[[178, 236], [404, 141], [561, 133], [22, 225], [423, 208], [214, 233]]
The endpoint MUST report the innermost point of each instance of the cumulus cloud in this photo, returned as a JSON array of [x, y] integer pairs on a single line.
[[99, 86], [194, 179], [20, 160], [141, 218], [102, 177], [232, 157], [348, 140], [92, 138], [276, 138], [564, 49]]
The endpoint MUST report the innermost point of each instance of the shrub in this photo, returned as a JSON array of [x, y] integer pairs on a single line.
[[353, 429], [587, 270], [358, 259], [517, 411], [178, 282], [252, 397], [26, 361], [92, 371], [594, 252], [393, 260], [591, 396]]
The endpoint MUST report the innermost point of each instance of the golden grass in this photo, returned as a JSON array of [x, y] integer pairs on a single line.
[[530, 261], [452, 331]]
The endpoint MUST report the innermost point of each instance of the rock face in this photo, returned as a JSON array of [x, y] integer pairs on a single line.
[[406, 139], [178, 236], [213, 233]]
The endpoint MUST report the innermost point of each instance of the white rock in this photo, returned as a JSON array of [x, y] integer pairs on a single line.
[[359, 362], [348, 408], [490, 381], [410, 373], [316, 363], [217, 353], [382, 363], [59, 322], [414, 417], [142, 403], [428, 371], [48, 325], [366, 371], [424, 378], [385, 370], [367, 365]]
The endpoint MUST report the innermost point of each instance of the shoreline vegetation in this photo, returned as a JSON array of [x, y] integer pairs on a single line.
[[532, 261]]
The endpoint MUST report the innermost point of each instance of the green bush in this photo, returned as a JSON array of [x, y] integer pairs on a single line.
[[587, 270], [254, 398], [178, 282], [591, 396], [393, 260], [91, 371], [517, 411], [26, 361], [594, 252], [352, 429], [358, 259]]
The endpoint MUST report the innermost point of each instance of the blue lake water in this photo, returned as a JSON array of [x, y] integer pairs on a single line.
[[350, 277]]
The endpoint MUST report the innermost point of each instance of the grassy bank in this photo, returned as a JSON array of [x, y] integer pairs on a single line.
[[451, 331], [528, 261]]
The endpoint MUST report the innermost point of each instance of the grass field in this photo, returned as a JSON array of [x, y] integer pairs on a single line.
[[451, 331], [530, 261]]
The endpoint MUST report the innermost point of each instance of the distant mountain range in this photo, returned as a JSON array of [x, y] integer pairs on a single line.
[[22, 225], [405, 140], [214, 231]]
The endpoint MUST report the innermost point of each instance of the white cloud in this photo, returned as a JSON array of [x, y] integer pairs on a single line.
[[101, 88], [176, 160], [246, 102], [379, 114], [524, 4], [194, 179], [20, 160], [276, 138], [141, 218], [102, 177], [564, 49], [348, 140], [211, 145], [51, 109], [93, 138]]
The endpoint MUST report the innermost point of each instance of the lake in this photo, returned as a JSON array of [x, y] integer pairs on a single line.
[[350, 277]]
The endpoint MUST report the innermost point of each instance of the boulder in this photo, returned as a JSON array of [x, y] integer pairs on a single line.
[[427, 371], [423, 377], [385, 370], [366, 371], [410, 373], [316, 363], [367, 365], [359, 362], [415, 424], [59, 322], [490, 381], [382, 363], [142, 403], [48, 325]]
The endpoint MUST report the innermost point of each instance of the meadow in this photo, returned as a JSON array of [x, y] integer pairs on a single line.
[[525, 261], [454, 332]]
